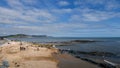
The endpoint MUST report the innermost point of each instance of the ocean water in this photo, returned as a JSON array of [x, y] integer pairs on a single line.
[[106, 45]]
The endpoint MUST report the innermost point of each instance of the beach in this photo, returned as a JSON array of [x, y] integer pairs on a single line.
[[27, 55]]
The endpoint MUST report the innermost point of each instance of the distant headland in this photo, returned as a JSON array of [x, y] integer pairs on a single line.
[[22, 36]]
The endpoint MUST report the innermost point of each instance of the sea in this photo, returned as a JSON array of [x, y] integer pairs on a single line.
[[106, 44]]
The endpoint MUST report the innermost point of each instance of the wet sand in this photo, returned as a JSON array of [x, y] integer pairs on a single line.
[[68, 61]]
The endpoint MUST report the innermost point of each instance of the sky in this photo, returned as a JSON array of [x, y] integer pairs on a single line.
[[64, 18]]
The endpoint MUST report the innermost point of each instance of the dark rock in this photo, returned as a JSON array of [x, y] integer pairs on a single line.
[[83, 41], [1, 38]]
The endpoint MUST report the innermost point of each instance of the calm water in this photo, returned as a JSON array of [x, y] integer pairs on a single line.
[[107, 44]]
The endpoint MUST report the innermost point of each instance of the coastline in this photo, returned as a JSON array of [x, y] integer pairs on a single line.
[[28, 55]]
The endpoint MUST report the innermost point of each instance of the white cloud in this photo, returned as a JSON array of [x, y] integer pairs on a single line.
[[97, 16], [66, 28], [47, 16], [111, 5], [16, 4], [50, 21], [20, 14], [88, 15], [21, 4], [63, 3], [101, 4], [30, 2], [55, 27], [60, 11], [25, 16]]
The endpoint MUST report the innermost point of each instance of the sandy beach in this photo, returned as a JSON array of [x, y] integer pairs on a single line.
[[27, 55]]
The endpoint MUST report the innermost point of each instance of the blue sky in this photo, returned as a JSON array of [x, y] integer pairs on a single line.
[[79, 18]]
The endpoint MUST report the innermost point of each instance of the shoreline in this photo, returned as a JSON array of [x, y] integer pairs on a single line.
[[55, 54], [23, 54]]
